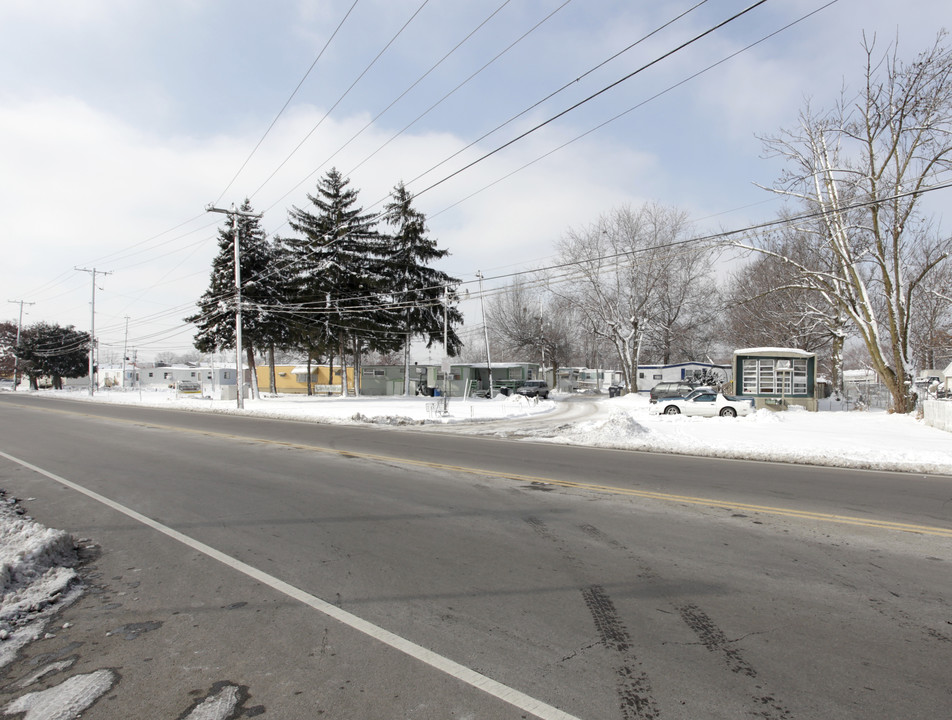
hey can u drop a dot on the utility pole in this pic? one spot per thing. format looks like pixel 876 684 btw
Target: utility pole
pixel 446 351
pixel 125 347
pixel 16 348
pixel 482 310
pixel 542 338
pixel 135 371
pixel 234 214
pixel 92 327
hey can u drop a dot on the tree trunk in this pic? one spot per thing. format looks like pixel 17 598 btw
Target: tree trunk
pixel 357 364
pixel 836 363
pixel 271 374
pixel 343 365
pixel 254 375
pixel 310 386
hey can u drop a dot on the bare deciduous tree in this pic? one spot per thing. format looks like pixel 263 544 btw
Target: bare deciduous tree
pixel 862 168
pixel 528 322
pixel 634 273
pixel 930 335
pixel 767 304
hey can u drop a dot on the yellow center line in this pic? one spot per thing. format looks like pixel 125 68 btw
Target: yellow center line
pixel 590 487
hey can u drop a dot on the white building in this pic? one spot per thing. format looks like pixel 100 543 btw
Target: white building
pixel 210 378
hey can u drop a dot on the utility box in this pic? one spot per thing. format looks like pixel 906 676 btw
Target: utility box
pixel 230 392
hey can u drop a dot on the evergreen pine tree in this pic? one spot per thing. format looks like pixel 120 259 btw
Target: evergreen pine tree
pixel 338 269
pixel 419 290
pixel 260 293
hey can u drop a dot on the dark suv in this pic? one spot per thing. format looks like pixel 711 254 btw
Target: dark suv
pixel 669 390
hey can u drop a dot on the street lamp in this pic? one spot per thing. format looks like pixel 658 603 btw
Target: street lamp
pixel 234 214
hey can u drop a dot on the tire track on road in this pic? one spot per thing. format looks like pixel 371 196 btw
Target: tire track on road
pixel 764 705
pixel 633 686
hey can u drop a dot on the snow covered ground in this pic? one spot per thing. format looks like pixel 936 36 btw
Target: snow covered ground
pixel 36 576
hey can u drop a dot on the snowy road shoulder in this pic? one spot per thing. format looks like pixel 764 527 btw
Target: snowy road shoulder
pixel 37 576
pixel 872 440
pixel 868 441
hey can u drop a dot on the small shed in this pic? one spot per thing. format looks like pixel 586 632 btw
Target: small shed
pixel 776 377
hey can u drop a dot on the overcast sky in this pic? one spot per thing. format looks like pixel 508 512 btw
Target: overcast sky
pixel 121 120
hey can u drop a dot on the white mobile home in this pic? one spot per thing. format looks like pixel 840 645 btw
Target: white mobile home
pixel 651 375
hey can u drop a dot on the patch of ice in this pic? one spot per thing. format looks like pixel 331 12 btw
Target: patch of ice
pixel 216 707
pixel 53 667
pixel 65 701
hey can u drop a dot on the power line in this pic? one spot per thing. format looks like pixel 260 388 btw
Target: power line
pixel 632 108
pixel 287 102
pixel 570 270
pixel 593 96
pixel 455 89
pixel 126 252
pixel 395 101
pixel 341 98
pixel 437 213
pixel 553 93
pixel 711 239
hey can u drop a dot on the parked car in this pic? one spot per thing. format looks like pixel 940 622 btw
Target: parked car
pixel 707 403
pixel 670 390
pixel 534 388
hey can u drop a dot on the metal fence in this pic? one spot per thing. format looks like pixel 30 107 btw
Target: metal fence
pixel 868 395
pixel 857 396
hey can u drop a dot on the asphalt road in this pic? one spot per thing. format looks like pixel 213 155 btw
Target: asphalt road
pixel 338 572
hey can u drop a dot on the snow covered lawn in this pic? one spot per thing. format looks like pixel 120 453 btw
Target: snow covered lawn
pixel 867 440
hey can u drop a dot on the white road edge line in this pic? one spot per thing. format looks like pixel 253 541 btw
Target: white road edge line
pixel 496 689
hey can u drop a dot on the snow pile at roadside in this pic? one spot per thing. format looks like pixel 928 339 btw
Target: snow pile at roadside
pixel 36 576
pixel 861 440
pixel 619 429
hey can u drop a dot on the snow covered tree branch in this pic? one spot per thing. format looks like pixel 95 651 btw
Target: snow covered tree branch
pixel 862 168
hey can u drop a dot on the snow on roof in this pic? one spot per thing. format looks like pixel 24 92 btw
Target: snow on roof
pixel 774 351
pixel 499 365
